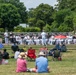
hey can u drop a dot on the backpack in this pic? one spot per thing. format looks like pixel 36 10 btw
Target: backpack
pixel 56 53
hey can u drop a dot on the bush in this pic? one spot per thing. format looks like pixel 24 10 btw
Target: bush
pixel 19 29
pixel 1 30
pixel 28 29
pixel 32 29
pixel 47 28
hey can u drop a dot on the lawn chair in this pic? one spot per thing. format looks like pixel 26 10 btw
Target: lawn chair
pixel 31 54
pixel 57 55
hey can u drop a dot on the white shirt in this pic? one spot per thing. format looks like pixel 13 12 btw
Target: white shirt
pixel 16 54
pixel 6 34
pixel 43 34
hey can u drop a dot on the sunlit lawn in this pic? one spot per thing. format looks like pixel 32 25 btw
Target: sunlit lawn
pixel 65 67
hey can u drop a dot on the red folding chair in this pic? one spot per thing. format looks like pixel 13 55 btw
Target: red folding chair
pixel 31 54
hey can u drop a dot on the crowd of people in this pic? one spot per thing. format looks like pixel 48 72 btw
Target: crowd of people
pixel 41 59
pixel 42 38
pixel 20 55
pixel 40 67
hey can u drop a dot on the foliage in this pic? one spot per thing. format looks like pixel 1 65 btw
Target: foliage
pixel 59 19
pixel 74 22
pixel 40 16
pixel 1 30
pixel 19 29
pixel 47 28
pixel 64 27
pixel 62 19
pixel 0 21
pixel 32 29
pixel 21 8
pixel 28 29
pixel 12 13
pixel 65 4
pixel 40 24
pixel 31 22
pixel 9 16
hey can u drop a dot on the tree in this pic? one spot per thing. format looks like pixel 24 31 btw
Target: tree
pixel 19 29
pixel 21 9
pixel 74 22
pixel 65 4
pixel 62 19
pixel 41 14
pixel 0 21
pixel 40 24
pixel 47 28
pixel 9 16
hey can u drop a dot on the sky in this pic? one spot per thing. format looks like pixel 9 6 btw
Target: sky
pixel 35 3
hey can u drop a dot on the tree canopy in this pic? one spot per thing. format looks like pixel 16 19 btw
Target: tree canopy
pixel 65 4
pixel 41 15
pixel 12 13
pixel 59 19
pixel 9 16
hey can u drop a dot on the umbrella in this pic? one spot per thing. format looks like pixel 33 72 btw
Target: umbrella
pixel 60 37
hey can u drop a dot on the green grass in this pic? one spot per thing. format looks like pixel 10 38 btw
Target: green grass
pixel 65 67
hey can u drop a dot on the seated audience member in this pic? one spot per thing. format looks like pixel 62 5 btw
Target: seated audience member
pixel 50 53
pixel 17 54
pixel 63 48
pixel 44 49
pixel 3 57
pixel 22 63
pixel 14 47
pixel 24 48
pixel 5 54
pixel 41 64
pixel 0 58
pixel 58 47
pixel 57 54
pixel 1 45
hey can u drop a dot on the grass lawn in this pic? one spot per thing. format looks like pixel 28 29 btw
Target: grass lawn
pixel 65 67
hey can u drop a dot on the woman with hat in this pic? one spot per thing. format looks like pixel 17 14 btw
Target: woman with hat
pixel 41 64
pixel 21 63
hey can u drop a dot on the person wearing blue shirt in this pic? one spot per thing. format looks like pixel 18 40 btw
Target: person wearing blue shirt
pixel 41 64
pixel 58 46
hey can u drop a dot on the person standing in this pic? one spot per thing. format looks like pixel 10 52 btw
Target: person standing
pixel 6 36
pixel 43 34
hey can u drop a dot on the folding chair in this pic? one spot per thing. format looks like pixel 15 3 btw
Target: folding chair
pixel 31 54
